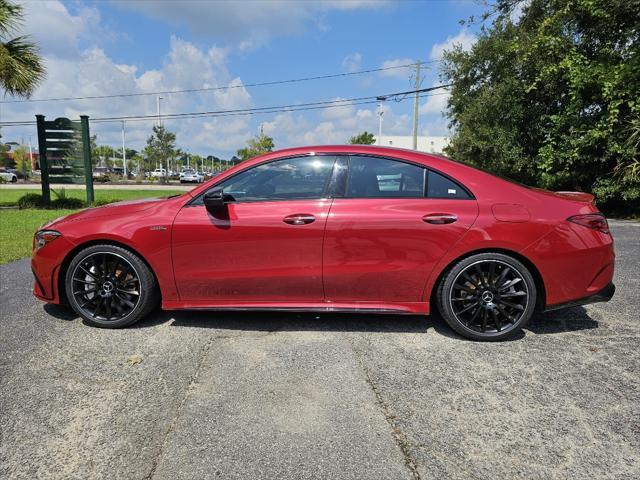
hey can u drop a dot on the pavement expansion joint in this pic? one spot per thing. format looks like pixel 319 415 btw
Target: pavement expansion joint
pixel 398 434
pixel 187 392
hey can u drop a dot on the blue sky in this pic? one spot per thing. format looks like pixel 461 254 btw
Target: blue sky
pixel 112 47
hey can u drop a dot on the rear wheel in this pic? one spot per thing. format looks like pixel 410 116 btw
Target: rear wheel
pixel 489 296
pixel 110 287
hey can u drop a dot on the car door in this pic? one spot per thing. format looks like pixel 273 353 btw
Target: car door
pixel 385 235
pixel 266 247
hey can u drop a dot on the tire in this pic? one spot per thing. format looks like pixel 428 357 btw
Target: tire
pixel 14 179
pixel 110 287
pixel 487 297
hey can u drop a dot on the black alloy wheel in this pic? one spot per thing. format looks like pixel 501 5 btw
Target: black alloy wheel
pixel 109 286
pixel 487 296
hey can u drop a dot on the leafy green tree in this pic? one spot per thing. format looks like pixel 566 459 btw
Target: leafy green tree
pixel 161 146
pixel 22 160
pixel 21 68
pixel 102 154
pixel 364 138
pixel 546 99
pixel 4 148
pixel 196 162
pixel 256 146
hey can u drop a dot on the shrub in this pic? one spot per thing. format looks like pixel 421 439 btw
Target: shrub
pixel 30 200
pixel 104 201
pixel 67 203
pixel 34 200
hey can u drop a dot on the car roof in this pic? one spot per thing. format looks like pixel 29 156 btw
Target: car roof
pixel 477 181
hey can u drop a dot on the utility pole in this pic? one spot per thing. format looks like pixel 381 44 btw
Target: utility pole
pixel 31 162
pixel 158 106
pixel 380 114
pixel 124 154
pixel 416 107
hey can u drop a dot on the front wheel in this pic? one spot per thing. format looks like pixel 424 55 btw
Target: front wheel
pixel 110 287
pixel 489 296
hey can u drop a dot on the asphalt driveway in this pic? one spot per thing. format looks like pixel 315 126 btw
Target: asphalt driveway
pixel 247 396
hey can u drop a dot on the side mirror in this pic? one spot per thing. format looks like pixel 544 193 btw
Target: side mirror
pixel 215 200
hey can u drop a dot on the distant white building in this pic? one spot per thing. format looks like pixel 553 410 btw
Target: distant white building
pixel 425 144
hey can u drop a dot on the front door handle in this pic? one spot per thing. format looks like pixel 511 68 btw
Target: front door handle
pixel 299 219
pixel 439 218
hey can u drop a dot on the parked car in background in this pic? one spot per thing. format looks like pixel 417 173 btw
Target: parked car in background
pixel 191 176
pixel 8 176
pixel 21 175
pixel 101 174
pixel 118 171
pixel 159 173
pixel 348 228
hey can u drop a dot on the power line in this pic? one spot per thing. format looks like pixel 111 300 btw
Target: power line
pixel 256 110
pixel 210 89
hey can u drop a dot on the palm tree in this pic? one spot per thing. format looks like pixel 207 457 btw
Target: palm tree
pixel 21 68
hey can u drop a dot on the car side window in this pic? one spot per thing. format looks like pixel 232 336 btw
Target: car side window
pixel 440 186
pixel 373 177
pixel 287 179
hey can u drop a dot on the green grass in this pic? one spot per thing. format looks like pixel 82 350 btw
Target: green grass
pixel 17 228
pixel 9 196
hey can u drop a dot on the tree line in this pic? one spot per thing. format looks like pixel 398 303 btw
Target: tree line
pixel 549 95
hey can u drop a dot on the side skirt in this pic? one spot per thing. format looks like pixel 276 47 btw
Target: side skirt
pixel 411 308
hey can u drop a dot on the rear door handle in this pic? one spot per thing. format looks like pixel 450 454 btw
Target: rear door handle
pixel 299 219
pixel 439 218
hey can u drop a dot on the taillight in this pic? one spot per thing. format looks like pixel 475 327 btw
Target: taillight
pixel 42 237
pixel 595 221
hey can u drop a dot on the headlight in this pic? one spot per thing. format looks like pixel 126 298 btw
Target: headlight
pixel 42 237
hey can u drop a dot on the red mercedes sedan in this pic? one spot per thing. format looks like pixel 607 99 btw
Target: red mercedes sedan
pixel 335 228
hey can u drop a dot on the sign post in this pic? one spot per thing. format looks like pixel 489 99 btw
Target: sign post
pixel 86 157
pixel 65 154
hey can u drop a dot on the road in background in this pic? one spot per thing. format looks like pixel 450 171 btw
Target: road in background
pixel 101 186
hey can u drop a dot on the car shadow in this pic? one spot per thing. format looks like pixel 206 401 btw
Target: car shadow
pixel 61 312
pixel 569 320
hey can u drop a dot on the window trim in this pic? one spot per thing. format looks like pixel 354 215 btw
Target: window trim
pixel 426 169
pixel 198 201
pixel 331 184
pixel 450 178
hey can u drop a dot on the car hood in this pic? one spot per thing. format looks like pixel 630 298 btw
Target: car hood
pixel 118 208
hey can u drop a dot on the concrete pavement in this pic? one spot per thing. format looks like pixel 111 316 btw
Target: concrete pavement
pixel 223 395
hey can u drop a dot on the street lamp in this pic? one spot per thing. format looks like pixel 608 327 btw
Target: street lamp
pixel 124 154
pixel 380 114
pixel 158 106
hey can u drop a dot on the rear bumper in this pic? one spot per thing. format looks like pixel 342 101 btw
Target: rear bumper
pixel 603 295
pixel 574 262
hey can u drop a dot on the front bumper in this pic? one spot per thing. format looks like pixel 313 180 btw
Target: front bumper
pixel 45 266
pixel 603 295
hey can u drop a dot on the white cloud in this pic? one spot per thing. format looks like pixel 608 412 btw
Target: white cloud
pixel 248 23
pixel 436 103
pixel 75 70
pixel 464 39
pixel 72 72
pixel 340 110
pixel 403 72
pixel 352 62
pixel 291 128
